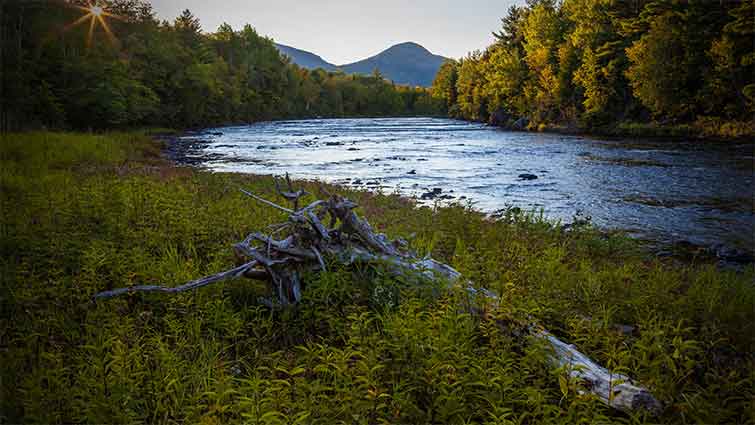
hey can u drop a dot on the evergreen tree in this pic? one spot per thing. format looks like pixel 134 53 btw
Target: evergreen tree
pixel 593 63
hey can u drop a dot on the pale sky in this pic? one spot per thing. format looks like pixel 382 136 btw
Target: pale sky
pixel 344 31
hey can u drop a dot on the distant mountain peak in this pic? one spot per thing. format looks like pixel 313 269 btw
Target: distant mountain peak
pixel 404 63
pixel 408 45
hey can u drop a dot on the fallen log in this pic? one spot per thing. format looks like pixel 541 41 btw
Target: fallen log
pixel 350 240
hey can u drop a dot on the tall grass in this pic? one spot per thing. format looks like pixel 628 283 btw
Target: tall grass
pixel 84 213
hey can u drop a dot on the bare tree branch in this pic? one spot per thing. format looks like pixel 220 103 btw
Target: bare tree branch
pixel 265 201
pixel 228 274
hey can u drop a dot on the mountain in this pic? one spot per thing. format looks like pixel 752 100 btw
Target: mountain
pixel 304 58
pixel 405 63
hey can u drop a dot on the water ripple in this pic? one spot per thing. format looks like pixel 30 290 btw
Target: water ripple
pixel 700 192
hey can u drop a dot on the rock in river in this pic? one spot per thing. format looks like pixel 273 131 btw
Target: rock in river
pixel 527 177
pixel 432 195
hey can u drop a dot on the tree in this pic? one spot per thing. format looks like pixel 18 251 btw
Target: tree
pixel 543 34
pixel 657 73
pixel 444 85
pixel 505 72
pixel 601 52
pixel 187 23
pixel 730 86
pixel 511 34
pixel 469 87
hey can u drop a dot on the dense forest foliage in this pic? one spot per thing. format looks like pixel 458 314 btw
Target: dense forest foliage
pixel 586 64
pixel 65 67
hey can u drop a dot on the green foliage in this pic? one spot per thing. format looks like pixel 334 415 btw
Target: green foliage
pixel 152 73
pixel 470 96
pixel 444 86
pixel 84 213
pixel 658 73
pixel 505 73
pixel 592 64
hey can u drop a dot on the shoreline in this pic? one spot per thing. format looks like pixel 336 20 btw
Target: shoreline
pixel 629 130
pixel 684 251
pixel 614 135
pixel 639 130
pixel 658 134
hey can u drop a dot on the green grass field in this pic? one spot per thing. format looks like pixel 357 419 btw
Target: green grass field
pixel 84 213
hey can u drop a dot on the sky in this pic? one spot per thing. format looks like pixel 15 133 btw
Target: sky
pixel 345 31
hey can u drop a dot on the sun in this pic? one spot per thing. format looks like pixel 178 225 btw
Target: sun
pixel 96 15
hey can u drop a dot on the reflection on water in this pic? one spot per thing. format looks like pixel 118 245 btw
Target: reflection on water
pixel 670 191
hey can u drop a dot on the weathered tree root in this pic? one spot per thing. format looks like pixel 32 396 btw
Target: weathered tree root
pixel 350 240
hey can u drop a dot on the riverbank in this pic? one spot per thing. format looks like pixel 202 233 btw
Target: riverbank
pixel 85 213
pixel 704 129
pixel 678 194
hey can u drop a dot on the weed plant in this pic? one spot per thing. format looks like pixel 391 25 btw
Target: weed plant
pixel 84 213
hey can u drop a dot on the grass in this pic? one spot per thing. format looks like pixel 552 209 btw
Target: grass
pixel 84 213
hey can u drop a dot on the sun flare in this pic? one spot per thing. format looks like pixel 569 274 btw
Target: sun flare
pixel 96 11
pixel 95 15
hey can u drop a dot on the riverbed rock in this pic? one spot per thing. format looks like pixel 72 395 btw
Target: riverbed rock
pixel 427 196
pixel 527 176
pixel 432 194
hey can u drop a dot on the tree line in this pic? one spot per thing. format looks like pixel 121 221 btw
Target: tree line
pixel 63 67
pixel 586 64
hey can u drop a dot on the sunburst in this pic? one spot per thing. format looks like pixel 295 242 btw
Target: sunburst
pixel 96 14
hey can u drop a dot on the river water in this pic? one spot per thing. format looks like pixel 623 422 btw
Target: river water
pixel 667 191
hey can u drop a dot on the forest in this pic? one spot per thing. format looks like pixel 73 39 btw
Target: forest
pixel 644 67
pixel 65 68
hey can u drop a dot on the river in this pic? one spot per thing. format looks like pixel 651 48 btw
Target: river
pixel 660 190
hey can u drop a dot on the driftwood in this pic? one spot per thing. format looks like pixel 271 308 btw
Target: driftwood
pixel 349 240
